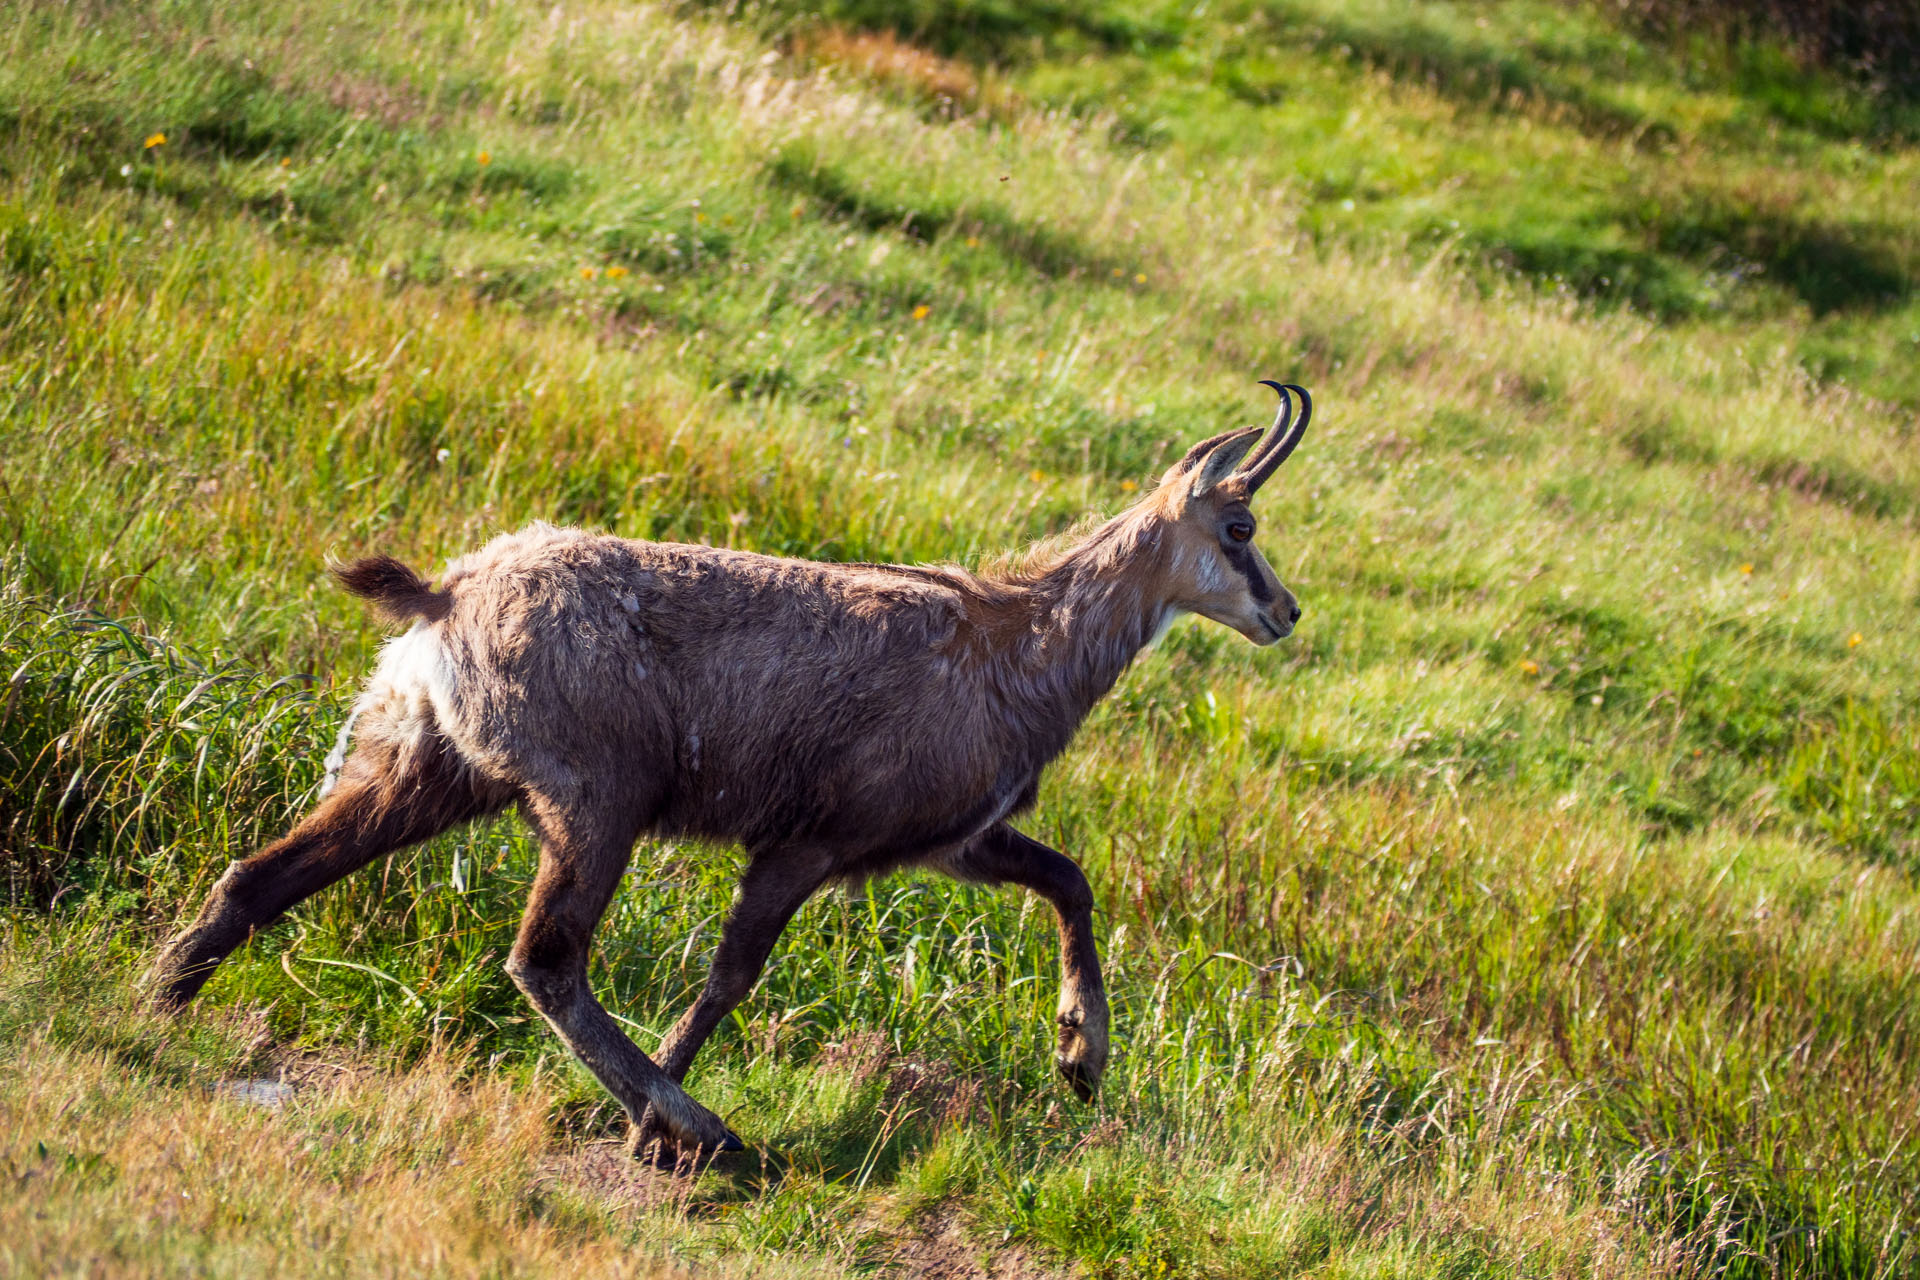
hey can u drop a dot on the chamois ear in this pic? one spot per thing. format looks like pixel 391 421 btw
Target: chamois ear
pixel 1214 460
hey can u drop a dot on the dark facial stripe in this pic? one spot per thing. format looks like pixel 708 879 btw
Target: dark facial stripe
pixel 1242 558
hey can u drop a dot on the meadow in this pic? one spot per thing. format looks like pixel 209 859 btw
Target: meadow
pixel 1546 906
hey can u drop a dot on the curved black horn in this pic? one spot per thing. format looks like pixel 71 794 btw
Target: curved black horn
pixel 1280 442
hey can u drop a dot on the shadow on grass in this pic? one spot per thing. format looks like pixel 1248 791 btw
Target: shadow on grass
pixel 1475 74
pixel 1643 279
pixel 1846 85
pixel 1790 55
pixel 1049 253
pixel 1817 479
pixel 1831 266
pixel 994 31
pixel 238 113
pixel 1687 257
pixel 1752 1223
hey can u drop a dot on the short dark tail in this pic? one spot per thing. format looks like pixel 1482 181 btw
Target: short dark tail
pixel 397 591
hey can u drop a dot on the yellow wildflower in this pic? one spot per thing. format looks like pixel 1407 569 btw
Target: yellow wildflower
pixel 1139 277
pixel 1128 486
pixel 286 162
pixel 1116 273
pixel 484 157
pixel 1037 476
pixel 1746 571
pixel 973 242
pixel 156 140
pixel 615 272
pixel 588 273
pixel 922 311
pixel 1529 667
pixel 1855 640
pixel 699 217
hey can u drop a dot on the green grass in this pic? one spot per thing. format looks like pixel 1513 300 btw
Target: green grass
pixel 1545 906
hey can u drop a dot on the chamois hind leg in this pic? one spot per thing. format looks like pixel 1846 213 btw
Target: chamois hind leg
pixel 773 888
pixel 582 855
pixel 389 795
pixel 1003 855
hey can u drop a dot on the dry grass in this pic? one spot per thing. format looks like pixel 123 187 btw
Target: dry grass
pixel 359 1171
pixel 882 58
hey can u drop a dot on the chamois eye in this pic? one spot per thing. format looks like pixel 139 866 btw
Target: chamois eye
pixel 1239 532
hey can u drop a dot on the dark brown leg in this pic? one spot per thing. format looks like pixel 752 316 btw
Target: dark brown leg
pixel 1003 855
pixel 582 855
pixel 773 888
pixel 383 802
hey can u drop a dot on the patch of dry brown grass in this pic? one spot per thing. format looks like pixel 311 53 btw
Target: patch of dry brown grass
pixel 884 59
pixel 359 1172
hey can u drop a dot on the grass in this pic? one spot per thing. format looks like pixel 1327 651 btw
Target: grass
pixel 1545 906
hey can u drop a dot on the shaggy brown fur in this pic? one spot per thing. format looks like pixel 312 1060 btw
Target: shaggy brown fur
pixel 835 720
pixel 399 593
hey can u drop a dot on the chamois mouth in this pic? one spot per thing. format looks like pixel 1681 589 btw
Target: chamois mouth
pixel 1274 629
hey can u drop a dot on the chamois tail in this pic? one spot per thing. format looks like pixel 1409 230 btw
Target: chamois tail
pixel 399 593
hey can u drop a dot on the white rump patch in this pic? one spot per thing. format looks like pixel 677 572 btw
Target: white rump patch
pixel 337 758
pixel 411 690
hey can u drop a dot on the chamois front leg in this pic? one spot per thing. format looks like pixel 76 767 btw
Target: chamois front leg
pixel 1003 855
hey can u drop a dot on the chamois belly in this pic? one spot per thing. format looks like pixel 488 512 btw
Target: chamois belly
pixel 875 801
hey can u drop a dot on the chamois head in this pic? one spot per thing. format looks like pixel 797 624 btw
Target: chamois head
pixel 1213 567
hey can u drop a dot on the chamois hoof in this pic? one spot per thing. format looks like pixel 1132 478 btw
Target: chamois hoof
pixel 1084 1082
pixel 651 1142
pixel 168 987
pixel 1080 1069
pixel 1079 1061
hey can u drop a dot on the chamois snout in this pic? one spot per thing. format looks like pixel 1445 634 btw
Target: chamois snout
pixel 1279 618
pixel 1262 609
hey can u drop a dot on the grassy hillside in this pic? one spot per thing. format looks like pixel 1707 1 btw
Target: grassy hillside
pixel 1547 905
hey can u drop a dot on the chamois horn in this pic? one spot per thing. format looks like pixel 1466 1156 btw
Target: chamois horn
pixel 1280 442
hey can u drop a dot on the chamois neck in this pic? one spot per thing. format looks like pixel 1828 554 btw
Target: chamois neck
pixel 1099 609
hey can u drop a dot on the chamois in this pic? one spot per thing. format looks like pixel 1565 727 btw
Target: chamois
pixel 836 720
